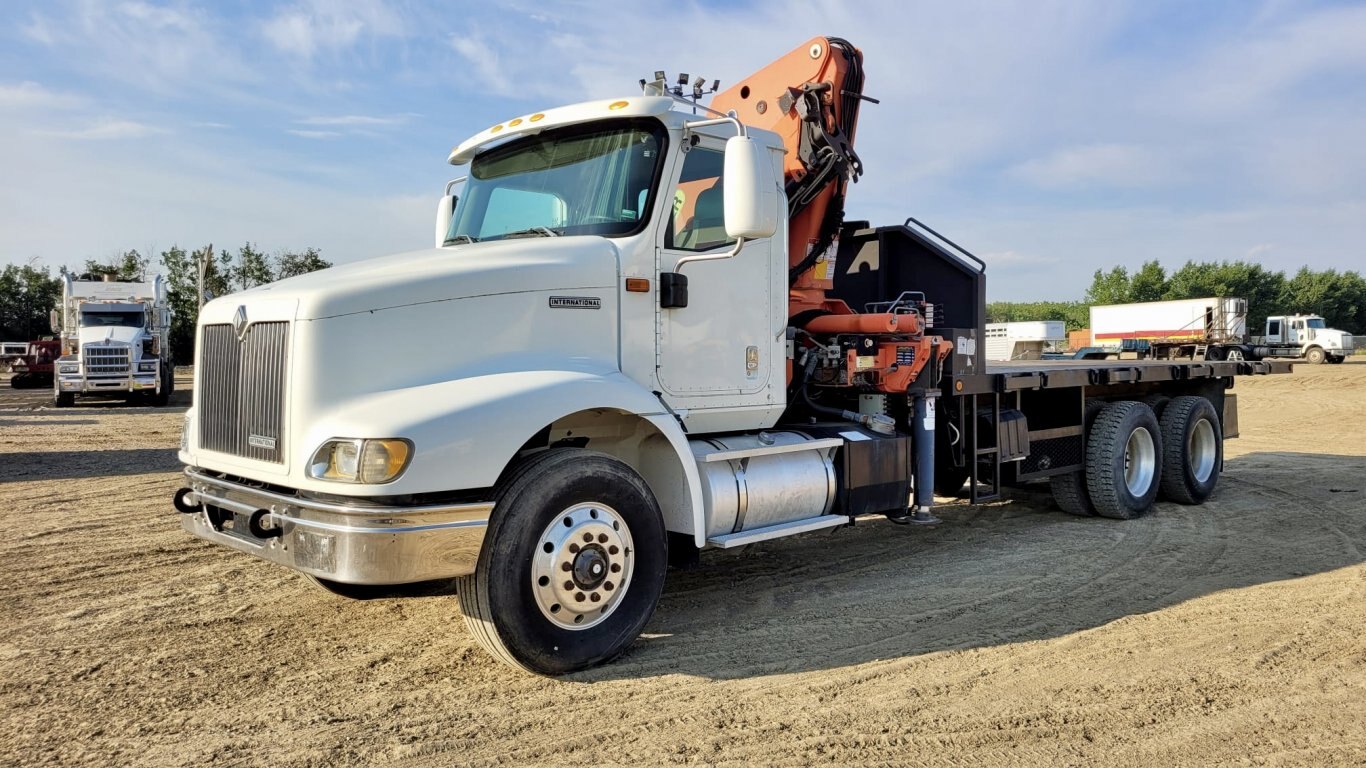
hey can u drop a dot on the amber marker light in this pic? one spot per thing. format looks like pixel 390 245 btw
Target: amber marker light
pixel 537 117
pixel 496 128
pixel 618 105
pixel 513 123
pixel 637 285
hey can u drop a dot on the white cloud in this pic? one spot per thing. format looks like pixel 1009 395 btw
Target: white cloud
pixel 306 29
pixel 108 129
pixel 313 134
pixel 1106 165
pixel 29 94
pixel 480 55
pixel 355 120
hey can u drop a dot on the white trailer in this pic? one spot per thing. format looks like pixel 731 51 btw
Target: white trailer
pixel 1026 340
pixel 115 340
pixel 1184 325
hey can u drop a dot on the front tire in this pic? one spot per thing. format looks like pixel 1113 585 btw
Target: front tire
pixel 163 394
pixel 63 399
pixel 1315 356
pixel 1124 460
pixel 572 565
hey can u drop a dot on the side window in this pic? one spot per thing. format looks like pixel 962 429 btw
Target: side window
pixel 513 209
pixel 698 220
pixel 1275 328
pixel 1299 324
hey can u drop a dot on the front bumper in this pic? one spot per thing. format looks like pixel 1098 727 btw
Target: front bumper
pixel 353 544
pixel 132 383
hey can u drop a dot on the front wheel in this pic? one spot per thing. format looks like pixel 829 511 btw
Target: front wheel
pixel 164 389
pixel 1315 356
pixel 63 399
pixel 572 565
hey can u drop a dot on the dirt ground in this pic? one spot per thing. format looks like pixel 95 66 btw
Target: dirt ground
pixel 1011 634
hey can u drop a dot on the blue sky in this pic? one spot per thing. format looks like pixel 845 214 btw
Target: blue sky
pixel 1052 138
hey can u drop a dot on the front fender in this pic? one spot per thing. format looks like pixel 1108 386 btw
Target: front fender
pixel 466 431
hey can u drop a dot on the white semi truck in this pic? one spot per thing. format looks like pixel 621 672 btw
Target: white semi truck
pixel 1213 328
pixel 114 341
pixel 669 341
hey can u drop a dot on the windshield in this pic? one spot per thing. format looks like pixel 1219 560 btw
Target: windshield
pixel 581 180
pixel 1315 322
pixel 97 319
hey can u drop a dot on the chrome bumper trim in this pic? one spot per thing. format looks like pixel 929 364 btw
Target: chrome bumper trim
pixel 338 541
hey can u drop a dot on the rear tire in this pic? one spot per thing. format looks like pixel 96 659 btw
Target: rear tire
pixel 523 606
pixel 1069 490
pixel 1315 356
pixel 1158 403
pixel 1124 460
pixel 1192 450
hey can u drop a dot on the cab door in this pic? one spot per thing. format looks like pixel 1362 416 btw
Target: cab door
pixel 722 342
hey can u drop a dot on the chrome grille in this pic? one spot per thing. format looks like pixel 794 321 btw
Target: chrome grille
pixel 105 359
pixel 242 390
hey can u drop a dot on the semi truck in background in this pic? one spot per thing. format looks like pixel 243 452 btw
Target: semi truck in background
pixel 115 341
pixel 1213 328
pixel 1024 340
pixel 681 345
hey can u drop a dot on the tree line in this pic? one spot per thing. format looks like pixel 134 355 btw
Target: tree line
pixel 28 292
pixel 1340 297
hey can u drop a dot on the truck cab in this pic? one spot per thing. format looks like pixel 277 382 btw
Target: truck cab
pixel 114 341
pixel 1307 336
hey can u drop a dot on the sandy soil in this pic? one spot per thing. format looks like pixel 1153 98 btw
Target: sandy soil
pixel 1013 633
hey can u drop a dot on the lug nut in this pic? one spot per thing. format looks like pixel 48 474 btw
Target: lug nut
pixel 588 538
pixel 602 538
pixel 578 598
pixel 573 549
pixel 612 550
pixel 609 586
pixel 569 585
pixel 616 567
pixel 566 567
pixel 594 597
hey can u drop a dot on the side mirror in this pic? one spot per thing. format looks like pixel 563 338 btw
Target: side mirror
pixel 751 192
pixel 445 211
pixel 54 318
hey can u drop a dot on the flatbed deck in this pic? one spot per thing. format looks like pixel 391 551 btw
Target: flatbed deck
pixel 1015 375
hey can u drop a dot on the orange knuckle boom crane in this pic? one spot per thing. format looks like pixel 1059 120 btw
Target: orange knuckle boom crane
pixel 810 97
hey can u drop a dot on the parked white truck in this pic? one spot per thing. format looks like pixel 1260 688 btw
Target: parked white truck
pixel 1305 336
pixel 1213 328
pixel 114 341
pixel 640 333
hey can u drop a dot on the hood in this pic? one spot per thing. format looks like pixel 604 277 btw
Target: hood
pixel 443 274
pixel 110 334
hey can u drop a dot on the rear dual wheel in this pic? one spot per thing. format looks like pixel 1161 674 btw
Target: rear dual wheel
pixel 1192 450
pixel 572 565
pixel 1123 460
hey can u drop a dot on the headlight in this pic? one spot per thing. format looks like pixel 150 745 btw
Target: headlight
pixel 147 367
pixel 68 369
pixel 360 461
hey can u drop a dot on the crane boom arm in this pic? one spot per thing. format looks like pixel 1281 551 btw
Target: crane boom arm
pixel 810 97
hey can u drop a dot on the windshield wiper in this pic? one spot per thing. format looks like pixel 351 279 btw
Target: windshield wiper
pixel 532 232
pixel 458 238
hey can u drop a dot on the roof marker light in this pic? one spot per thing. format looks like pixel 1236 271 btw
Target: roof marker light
pixel 536 117
pixel 618 105
pixel 514 122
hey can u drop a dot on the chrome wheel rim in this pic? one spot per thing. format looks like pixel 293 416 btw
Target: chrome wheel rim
pixel 582 566
pixel 1201 450
pixel 1140 461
